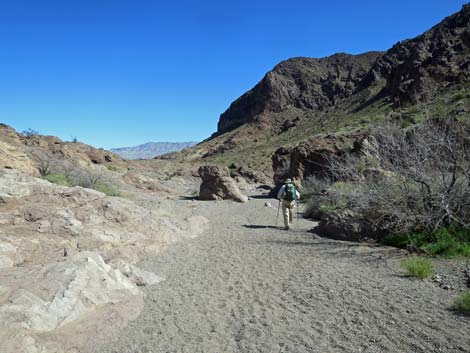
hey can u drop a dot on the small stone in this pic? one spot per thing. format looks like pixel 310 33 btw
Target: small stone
pixel 267 204
pixel 437 278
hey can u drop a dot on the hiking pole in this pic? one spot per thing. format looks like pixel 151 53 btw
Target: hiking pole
pixel 278 207
pixel 297 202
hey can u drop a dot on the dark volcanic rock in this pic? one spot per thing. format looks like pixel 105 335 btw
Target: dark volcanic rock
pixel 248 175
pixel 281 164
pixel 412 70
pixel 304 83
pixel 345 225
pixel 311 157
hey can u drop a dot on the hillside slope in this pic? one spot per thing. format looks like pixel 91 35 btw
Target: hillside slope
pixel 304 83
pixel 303 97
pixel 26 153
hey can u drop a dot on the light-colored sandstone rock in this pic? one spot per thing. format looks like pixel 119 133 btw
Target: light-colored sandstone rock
pixel 13 158
pixel 8 254
pixel 218 185
pixel 85 282
pixel 16 184
pixel 78 249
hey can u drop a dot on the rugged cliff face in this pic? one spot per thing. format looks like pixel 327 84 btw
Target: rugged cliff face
pixel 304 83
pixel 414 69
pixel 411 71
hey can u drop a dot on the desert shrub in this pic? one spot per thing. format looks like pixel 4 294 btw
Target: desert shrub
pixel 325 196
pixel 113 168
pixel 423 182
pixel 312 187
pixel 93 180
pixel 419 267
pixel 330 207
pixel 107 189
pixel 460 95
pixel 62 172
pixel 46 162
pixel 30 133
pixel 59 179
pixel 462 303
pixel 315 194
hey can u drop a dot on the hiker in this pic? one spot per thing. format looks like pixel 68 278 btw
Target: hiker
pixel 287 196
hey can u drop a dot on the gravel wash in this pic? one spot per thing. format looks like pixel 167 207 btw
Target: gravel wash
pixel 247 286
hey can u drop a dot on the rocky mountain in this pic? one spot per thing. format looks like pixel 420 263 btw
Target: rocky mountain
pixel 304 83
pixel 151 149
pixel 412 70
pixel 307 94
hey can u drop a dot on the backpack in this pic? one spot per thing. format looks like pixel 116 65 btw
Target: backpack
pixel 290 193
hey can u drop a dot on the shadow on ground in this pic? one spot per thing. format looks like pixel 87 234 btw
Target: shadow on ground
pixel 190 198
pixel 257 226
pixel 262 196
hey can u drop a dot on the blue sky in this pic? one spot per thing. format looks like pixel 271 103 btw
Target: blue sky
pixel 120 73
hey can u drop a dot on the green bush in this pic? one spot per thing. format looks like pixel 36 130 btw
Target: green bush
pixel 106 189
pixel 62 179
pixel 399 240
pixel 460 95
pixel 419 267
pixel 59 179
pixel 113 168
pixel 447 242
pixel 462 303
pixel 329 207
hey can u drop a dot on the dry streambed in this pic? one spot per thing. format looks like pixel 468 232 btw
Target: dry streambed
pixel 71 280
pixel 245 286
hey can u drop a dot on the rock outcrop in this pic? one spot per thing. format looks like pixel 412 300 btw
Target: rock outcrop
pixel 411 71
pixel 27 153
pixel 68 261
pixel 311 158
pixel 218 185
pixel 304 83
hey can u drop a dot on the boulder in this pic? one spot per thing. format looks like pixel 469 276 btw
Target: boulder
pixel 218 185
pixel 347 225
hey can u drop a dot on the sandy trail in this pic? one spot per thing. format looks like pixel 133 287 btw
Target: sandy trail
pixel 245 286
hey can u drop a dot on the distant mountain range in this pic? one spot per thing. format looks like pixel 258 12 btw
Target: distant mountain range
pixel 151 149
